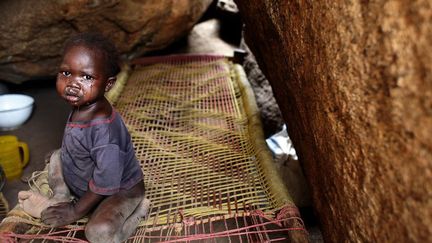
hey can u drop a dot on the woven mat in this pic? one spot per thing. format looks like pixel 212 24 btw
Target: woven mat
pixel 208 174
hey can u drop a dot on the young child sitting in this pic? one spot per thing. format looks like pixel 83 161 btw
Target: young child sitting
pixel 96 169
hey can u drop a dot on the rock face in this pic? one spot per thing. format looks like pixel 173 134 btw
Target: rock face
pixel 353 80
pixel 271 116
pixel 33 33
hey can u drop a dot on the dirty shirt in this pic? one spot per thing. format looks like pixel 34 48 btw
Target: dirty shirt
pixel 98 155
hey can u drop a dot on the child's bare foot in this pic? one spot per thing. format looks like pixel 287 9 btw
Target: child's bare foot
pixel 143 208
pixel 132 222
pixel 34 203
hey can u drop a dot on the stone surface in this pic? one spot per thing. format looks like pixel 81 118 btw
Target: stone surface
pixel 204 39
pixel 271 116
pixel 353 80
pixel 33 33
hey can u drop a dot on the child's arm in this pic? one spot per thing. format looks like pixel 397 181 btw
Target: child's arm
pixel 67 212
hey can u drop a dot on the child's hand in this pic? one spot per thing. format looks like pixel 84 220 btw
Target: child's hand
pixel 65 213
pixel 60 214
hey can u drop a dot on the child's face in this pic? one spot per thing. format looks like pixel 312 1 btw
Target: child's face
pixel 82 79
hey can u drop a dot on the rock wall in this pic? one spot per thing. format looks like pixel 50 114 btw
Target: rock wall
pixel 271 116
pixel 354 83
pixel 33 32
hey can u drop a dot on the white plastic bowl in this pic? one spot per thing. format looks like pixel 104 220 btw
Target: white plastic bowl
pixel 15 109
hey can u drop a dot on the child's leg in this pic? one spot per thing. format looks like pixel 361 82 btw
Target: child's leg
pixel 34 203
pixel 55 178
pixel 117 216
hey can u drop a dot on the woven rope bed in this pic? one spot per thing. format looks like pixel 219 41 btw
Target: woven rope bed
pixel 196 130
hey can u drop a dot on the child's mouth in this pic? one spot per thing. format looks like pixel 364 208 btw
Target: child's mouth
pixel 71 94
pixel 72 98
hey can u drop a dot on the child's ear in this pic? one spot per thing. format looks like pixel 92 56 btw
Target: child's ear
pixel 111 81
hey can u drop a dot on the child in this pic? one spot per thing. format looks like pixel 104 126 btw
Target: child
pixel 96 164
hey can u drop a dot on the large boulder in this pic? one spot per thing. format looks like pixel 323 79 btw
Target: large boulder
pixel 32 33
pixel 354 82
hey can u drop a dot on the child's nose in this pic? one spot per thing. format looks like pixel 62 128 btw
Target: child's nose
pixel 73 82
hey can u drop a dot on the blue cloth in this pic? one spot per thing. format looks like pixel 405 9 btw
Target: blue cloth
pixel 98 155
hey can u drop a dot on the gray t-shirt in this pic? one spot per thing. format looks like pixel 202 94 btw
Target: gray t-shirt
pixel 99 155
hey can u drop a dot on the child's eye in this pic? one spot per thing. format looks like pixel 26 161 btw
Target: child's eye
pixel 65 73
pixel 87 77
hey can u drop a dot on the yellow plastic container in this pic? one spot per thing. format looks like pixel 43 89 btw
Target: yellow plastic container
pixel 14 156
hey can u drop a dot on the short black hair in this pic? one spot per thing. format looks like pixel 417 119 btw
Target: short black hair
pixel 100 43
